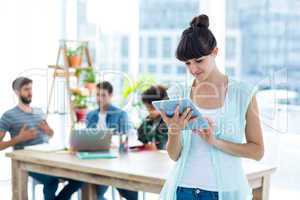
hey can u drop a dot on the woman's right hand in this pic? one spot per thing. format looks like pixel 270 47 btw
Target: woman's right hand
pixel 178 121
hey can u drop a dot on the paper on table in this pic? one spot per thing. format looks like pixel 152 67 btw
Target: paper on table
pixel 45 147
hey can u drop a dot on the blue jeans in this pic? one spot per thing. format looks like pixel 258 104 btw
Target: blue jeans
pixel 50 184
pixel 127 194
pixel 183 193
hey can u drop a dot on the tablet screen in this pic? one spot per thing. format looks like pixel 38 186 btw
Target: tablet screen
pixel 169 106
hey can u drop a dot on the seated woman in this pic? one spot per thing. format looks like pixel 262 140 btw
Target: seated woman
pixel 153 131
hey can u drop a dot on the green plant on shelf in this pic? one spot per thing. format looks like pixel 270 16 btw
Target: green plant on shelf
pixel 74 56
pixel 74 51
pixel 80 102
pixel 88 74
pixel 79 98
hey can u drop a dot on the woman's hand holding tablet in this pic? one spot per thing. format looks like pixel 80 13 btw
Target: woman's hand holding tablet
pixel 186 114
pixel 207 134
pixel 178 121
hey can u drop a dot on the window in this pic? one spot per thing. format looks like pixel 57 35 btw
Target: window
pixel 124 67
pixel 152 68
pixel 152 47
pixel 230 71
pixel 181 70
pixel 124 46
pixel 230 48
pixel 166 69
pixel 166 47
pixel 141 50
pixel 141 68
pixel 160 26
pixel 167 15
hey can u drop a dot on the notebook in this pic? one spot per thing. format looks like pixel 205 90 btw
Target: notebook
pixel 96 155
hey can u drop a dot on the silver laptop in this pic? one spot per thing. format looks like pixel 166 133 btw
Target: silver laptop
pixel 91 139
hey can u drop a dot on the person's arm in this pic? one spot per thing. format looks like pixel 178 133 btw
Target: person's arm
pixel 4 127
pixel 174 145
pixel 175 125
pixel 6 144
pixel 254 146
pixel 44 126
pixel 10 143
pixel 24 135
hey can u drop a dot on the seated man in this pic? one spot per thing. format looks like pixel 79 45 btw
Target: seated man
pixel 153 131
pixel 109 116
pixel 27 126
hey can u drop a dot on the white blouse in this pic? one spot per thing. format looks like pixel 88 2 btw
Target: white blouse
pixel 198 171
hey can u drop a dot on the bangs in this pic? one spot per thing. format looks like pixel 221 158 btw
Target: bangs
pixel 190 47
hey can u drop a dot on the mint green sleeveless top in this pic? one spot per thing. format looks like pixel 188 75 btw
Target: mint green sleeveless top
pixel 231 180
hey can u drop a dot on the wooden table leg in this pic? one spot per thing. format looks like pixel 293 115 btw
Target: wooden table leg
pixel 89 192
pixel 266 187
pixel 14 180
pixel 257 194
pixel 19 182
pixel 262 193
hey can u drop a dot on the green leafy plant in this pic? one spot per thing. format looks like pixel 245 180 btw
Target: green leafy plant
pixel 131 97
pixel 80 102
pixel 88 73
pixel 137 87
pixel 79 98
pixel 74 52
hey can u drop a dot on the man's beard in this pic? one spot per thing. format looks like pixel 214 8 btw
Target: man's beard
pixel 25 100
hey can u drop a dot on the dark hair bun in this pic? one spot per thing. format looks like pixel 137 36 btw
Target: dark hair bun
pixel 200 21
pixel 197 40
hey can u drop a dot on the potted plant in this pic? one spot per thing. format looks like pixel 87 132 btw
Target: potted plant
pixel 74 56
pixel 79 100
pixel 88 77
pixel 131 98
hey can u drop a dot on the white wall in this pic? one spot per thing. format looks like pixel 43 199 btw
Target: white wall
pixel 28 39
pixel 29 33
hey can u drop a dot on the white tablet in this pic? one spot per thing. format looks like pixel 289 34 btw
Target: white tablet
pixel 169 106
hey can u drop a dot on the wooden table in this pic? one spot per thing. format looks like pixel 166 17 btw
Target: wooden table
pixel 143 171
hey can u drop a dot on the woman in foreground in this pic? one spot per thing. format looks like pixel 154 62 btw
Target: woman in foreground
pixel 208 162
